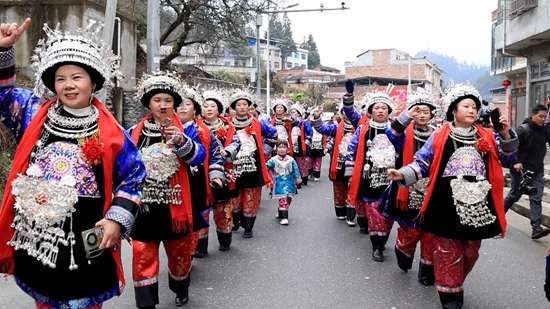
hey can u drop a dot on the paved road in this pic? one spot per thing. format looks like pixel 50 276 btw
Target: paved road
pixel 319 262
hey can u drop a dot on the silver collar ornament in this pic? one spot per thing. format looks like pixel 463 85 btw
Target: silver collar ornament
pixel 161 163
pixel 245 161
pixel 381 154
pixel 81 46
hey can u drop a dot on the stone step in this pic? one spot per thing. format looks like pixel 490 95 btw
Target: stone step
pixel 522 207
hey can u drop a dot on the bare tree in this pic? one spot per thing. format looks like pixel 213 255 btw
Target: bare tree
pixel 208 22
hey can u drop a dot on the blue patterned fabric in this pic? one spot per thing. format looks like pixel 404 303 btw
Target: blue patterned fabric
pixel 17 108
pixel 268 131
pixel 353 115
pixel 70 304
pixel 216 168
pixel 285 172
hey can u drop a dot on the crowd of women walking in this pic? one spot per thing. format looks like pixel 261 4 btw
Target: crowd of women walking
pixel 81 183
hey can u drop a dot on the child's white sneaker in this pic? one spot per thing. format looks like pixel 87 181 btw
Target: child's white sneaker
pixel 284 222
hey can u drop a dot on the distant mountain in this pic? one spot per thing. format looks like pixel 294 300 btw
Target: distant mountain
pixel 479 76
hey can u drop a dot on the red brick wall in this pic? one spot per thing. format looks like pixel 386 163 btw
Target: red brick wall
pixel 382 68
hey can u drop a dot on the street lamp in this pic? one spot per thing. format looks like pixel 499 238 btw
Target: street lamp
pixel 268 78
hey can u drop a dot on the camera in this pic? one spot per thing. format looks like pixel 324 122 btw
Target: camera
pixel 92 239
pixel 525 185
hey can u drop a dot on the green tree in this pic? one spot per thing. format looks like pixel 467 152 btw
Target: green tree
pixel 314 59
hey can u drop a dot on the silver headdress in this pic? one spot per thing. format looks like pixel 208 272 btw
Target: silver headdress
pixel 380 97
pixel 159 80
pixel 82 47
pixel 283 101
pixel 421 98
pixel 239 94
pixel 299 108
pixel 194 95
pixel 456 92
pixel 219 96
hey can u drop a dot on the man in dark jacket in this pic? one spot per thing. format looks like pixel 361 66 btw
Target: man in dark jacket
pixel 533 135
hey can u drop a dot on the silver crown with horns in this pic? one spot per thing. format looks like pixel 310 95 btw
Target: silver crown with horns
pixel 215 95
pixel 159 80
pixel 239 94
pixel 455 92
pixel 82 46
pixel 380 97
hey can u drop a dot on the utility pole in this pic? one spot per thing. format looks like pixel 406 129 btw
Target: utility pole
pixel 153 35
pixel 259 22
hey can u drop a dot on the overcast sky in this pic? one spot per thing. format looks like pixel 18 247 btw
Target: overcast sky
pixel 456 28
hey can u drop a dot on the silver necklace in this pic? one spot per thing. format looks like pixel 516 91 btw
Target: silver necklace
pixel 152 129
pixel 70 134
pixel 347 125
pixel 240 123
pixel 377 125
pixel 71 122
pixel 422 136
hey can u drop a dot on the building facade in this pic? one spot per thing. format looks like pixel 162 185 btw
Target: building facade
pixel 521 53
pixel 396 64
pixel 297 59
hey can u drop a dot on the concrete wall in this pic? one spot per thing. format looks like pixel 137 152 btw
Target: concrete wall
pixel 531 23
pixel 71 14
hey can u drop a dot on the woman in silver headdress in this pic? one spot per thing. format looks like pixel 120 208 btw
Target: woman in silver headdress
pixel 75 186
pixel 464 201
pixel 171 151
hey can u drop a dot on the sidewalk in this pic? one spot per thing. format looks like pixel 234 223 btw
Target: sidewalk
pixel 522 206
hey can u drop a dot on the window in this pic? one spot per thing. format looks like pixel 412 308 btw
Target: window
pixel 304 56
pixel 296 65
pixel 303 66
pixel 276 64
pixel 289 65
pixel 262 50
pixel 227 63
pixel 277 53
pixel 296 55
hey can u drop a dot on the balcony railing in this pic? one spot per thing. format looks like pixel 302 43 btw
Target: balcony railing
pixel 498 63
pixel 515 8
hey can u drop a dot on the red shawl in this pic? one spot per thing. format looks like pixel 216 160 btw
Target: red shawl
pixel 257 129
pixel 494 171
pixel 303 140
pixel 182 215
pixel 408 157
pixel 111 136
pixel 227 142
pixel 336 151
pixel 359 158
pixel 204 135
pixel 288 127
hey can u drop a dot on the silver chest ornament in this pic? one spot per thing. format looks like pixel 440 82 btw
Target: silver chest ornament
pixel 161 163
pixel 343 150
pixel 470 197
pixel 296 133
pixel 282 133
pixel 317 140
pixel 381 153
pixel 244 161
pixel 45 198
pixel 417 192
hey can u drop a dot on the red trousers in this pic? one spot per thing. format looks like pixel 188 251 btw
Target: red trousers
pixel 223 218
pixel 316 163
pixel 40 305
pixel 248 201
pixel 408 237
pixel 453 261
pixel 340 190
pixel 284 203
pixel 145 261
pixel 378 224
pixel 303 165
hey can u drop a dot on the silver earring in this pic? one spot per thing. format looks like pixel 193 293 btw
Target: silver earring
pixel 91 99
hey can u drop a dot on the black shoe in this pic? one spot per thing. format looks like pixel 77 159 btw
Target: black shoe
pixel 539 233
pixel 202 248
pixel 224 240
pixel 451 300
pixel 404 262
pixel 248 234
pixel 237 217
pixel 181 300
pixel 378 255
pixel 426 274
pixel 363 230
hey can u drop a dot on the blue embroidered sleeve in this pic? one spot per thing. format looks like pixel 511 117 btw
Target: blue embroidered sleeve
pixel 420 167
pixel 270 164
pixel 128 178
pixel 192 151
pixel 295 121
pixel 233 148
pixel 352 152
pixel 325 129
pixel 216 169
pixel 308 130
pixel 398 140
pixel 353 115
pixel 507 149
pixel 269 131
